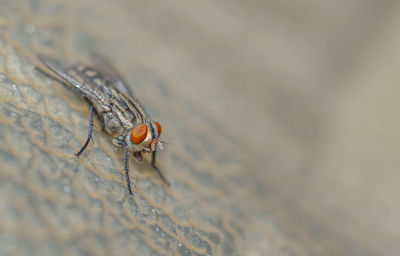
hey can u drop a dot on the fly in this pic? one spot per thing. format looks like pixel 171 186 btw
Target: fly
pixel 121 114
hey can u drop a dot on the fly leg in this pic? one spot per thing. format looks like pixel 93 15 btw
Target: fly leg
pixel 126 168
pixel 153 163
pixel 90 132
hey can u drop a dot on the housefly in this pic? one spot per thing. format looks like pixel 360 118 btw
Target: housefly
pixel 121 114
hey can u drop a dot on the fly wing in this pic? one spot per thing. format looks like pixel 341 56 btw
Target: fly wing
pixel 116 82
pixel 107 68
pixel 78 80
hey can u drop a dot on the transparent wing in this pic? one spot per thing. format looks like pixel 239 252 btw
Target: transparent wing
pixel 76 79
pixel 102 64
pixel 115 80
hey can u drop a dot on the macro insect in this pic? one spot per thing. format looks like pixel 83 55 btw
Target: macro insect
pixel 122 116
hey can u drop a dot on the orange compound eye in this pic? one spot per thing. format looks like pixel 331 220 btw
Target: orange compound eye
pixel 138 134
pixel 158 126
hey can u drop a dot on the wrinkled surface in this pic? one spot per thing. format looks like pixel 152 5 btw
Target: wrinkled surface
pixel 278 114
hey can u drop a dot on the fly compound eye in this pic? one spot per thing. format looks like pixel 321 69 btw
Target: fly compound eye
pixel 158 126
pixel 138 134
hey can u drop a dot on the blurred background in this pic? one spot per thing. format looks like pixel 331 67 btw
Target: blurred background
pixel 288 111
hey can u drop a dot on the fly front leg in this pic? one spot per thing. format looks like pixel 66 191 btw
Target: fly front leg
pixel 126 168
pixel 153 163
pixel 90 132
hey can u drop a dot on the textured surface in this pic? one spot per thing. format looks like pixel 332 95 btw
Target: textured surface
pixel 53 202
pixel 280 118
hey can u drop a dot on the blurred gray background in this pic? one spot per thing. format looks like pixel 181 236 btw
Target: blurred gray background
pixel 297 102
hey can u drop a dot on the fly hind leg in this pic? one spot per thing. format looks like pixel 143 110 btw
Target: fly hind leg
pixel 90 132
pixel 153 163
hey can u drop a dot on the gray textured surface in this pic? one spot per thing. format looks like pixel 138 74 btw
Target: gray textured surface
pixel 280 116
